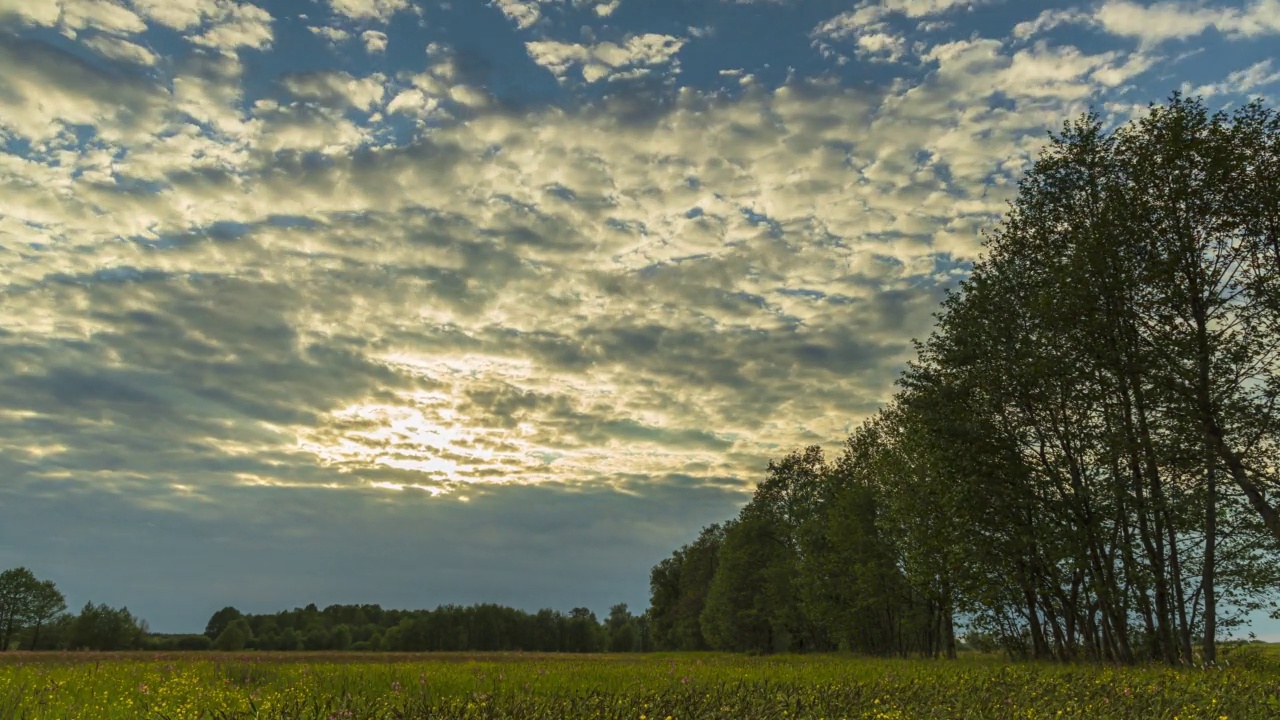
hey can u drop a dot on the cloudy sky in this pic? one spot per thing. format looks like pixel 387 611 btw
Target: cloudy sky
pixel 412 303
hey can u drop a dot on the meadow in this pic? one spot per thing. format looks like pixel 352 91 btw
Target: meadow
pixel 83 686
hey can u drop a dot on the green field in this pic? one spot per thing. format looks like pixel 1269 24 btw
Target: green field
pixel 654 687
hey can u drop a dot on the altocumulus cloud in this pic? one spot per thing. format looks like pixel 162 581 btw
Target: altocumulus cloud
pixel 406 303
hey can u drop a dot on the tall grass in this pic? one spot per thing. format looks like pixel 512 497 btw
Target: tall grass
pixel 323 687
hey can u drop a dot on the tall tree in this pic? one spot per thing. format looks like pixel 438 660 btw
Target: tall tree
pixel 47 603
pixel 19 590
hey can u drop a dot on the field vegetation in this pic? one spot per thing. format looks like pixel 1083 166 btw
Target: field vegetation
pixel 367 686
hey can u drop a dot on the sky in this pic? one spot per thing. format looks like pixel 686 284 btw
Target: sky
pixel 346 301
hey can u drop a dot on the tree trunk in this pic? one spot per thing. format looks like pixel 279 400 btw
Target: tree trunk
pixel 1175 571
pixel 1210 551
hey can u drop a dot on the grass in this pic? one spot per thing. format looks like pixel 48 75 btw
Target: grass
pixel 320 686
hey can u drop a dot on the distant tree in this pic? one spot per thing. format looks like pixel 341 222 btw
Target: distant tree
pixel 744 607
pixel 583 631
pixel 341 639
pixel 18 590
pixel 233 638
pixel 100 627
pixel 621 629
pixel 53 635
pixel 220 621
pixel 46 603
pixel 317 639
pixel 193 642
pixel 664 598
pixel 290 640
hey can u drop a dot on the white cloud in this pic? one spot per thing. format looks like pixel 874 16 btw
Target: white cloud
pixel 1174 19
pixel 374 41
pixel 305 129
pixel 45 92
pixel 600 61
pixel 524 13
pixel 866 27
pixel 850 23
pixel 101 15
pixel 121 50
pixel 30 13
pixel 180 14
pixel 334 35
pixel 209 90
pixel 867 15
pixel 1134 64
pixel 414 101
pixel 925 8
pixel 1258 75
pixel 338 89
pixel 601 8
pixel 380 10
pixel 243 26
pixel 225 25
pixel 468 96
pixel 1048 20
pixel 885 45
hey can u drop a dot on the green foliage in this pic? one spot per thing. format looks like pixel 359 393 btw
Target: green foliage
pixel 100 627
pixel 220 620
pixel 234 637
pixel 172 643
pixel 449 628
pixel 26 602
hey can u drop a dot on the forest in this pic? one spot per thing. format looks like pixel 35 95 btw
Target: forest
pixel 33 617
pixel 1081 460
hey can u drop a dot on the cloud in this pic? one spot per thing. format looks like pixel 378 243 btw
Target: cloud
pixel 29 13
pixel 243 26
pixel 121 50
pixel 48 91
pixel 605 9
pixel 926 8
pixel 1174 20
pixel 337 89
pixel 379 10
pixel 334 35
pixel 225 25
pixel 524 13
pixel 1048 20
pixel 603 60
pixel 1242 82
pixel 409 298
pixel 374 41
pixel 871 34
pixel 100 15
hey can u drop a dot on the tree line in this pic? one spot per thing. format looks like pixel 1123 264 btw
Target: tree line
pixel 1081 462
pixel 448 628
pixel 33 617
